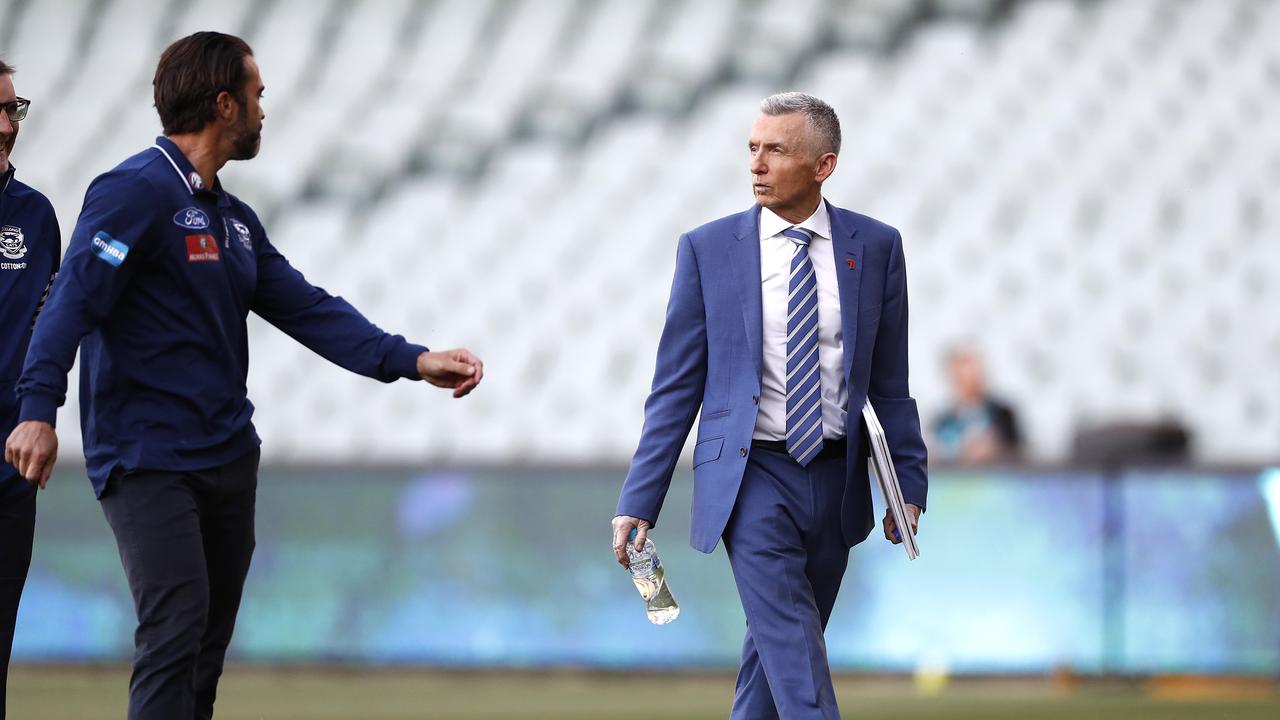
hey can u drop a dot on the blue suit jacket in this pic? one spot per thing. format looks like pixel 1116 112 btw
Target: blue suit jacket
pixel 709 357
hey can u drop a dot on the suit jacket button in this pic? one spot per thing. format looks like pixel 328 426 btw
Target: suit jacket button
pixel 755 399
pixel 742 452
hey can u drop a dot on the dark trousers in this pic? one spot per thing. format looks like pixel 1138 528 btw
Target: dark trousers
pixel 185 539
pixel 17 529
pixel 788 557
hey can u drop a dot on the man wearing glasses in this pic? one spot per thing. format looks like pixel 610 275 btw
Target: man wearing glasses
pixel 162 270
pixel 29 249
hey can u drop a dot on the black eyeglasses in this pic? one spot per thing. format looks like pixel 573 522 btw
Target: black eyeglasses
pixel 16 109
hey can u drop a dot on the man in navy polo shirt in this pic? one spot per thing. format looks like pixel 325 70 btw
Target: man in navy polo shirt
pixel 30 246
pixel 163 268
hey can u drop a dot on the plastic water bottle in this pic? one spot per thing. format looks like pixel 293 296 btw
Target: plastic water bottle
pixel 651 581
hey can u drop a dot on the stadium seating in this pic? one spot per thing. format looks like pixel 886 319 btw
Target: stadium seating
pixel 1085 189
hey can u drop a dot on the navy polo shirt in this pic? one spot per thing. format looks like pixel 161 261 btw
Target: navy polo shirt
pixel 157 283
pixel 30 246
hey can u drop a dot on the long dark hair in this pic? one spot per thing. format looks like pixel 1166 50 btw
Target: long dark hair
pixel 191 74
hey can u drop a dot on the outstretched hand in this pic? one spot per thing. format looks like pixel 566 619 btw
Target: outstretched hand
pixel 32 448
pixel 457 369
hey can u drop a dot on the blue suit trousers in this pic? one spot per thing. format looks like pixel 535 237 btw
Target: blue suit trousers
pixel 788 557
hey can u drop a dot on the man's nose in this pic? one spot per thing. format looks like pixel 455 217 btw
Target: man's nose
pixel 6 125
pixel 758 166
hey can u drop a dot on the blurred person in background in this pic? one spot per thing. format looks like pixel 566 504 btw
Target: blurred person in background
pixel 782 320
pixel 163 268
pixel 30 247
pixel 977 428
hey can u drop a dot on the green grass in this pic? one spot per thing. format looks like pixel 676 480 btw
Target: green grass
pixel 269 694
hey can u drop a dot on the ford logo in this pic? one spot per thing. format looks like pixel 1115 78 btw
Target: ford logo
pixel 191 218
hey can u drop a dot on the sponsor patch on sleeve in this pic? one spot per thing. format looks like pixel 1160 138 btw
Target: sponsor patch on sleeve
pixel 202 248
pixel 109 249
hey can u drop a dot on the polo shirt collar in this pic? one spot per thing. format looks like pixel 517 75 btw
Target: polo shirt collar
pixel 186 172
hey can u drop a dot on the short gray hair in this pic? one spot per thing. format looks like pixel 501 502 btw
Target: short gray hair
pixel 821 118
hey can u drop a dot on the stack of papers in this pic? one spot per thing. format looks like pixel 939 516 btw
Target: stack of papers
pixel 881 463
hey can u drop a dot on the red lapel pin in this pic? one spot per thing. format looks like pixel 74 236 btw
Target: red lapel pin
pixel 853 264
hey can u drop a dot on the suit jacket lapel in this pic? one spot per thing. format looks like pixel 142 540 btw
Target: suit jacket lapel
pixel 848 252
pixel 745 255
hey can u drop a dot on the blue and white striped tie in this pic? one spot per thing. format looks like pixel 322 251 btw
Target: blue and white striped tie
pixel 804 395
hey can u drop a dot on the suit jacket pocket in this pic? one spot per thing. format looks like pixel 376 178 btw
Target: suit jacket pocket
pixel 707 450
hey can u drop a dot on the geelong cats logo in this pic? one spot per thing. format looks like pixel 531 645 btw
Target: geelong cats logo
pixel 12 242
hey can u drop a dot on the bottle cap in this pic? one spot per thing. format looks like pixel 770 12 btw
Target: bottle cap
pixel 632 536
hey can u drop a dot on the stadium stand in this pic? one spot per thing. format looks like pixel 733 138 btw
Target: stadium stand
pixel 1085 188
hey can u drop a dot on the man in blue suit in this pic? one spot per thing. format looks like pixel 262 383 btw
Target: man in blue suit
pixel 782 321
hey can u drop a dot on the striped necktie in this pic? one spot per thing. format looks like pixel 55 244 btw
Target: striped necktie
pixel 804 396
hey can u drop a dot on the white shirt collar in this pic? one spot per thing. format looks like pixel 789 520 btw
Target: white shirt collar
pixel 819 223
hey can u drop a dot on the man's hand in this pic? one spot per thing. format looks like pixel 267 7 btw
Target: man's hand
pixel 622 526
pixel 32 448
pixel 891 527
pixel 457 369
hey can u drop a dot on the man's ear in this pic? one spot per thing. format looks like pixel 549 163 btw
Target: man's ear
pixel 227 106
pixel 825 165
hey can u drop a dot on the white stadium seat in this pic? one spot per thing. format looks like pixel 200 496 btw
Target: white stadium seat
pixel 1084 189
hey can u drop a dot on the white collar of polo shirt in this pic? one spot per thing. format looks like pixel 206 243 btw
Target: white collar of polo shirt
pixel 193 182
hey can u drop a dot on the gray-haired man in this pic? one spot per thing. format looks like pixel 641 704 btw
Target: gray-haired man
pixel 781 319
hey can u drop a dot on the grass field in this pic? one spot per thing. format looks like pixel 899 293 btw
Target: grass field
pixel 270 694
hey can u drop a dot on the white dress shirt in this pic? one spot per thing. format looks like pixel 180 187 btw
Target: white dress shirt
pixel 776 251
